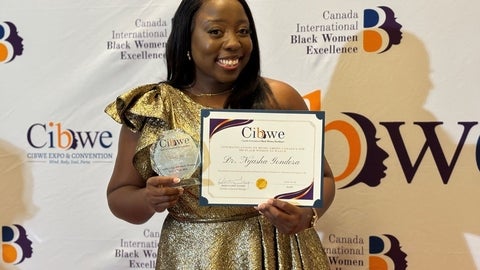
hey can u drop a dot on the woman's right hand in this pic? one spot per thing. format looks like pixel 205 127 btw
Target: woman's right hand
pixel 132 197
pixel 159 193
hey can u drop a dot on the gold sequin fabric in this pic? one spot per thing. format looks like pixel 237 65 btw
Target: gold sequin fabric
pixel 207 237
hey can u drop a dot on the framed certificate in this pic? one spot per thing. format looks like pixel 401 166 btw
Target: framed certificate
pixel 249 156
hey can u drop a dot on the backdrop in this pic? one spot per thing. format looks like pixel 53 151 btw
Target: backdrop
pixel 398 81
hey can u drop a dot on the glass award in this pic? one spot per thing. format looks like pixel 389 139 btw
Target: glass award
pixel 176 154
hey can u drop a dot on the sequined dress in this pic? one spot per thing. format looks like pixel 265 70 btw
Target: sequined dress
pixel 207 237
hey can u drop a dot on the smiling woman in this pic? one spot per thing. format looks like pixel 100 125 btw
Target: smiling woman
pixel 213 61
pixel 221 45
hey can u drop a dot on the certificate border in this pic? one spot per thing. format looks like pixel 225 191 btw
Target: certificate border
pixel 205 113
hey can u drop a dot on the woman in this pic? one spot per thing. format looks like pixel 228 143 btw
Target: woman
pixel 213 62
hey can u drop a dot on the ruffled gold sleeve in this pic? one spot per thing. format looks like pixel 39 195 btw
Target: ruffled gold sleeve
pixel 132 107
pixel 150 109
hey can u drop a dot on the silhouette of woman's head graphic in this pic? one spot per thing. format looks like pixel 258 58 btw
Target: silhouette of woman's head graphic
pixel 373 169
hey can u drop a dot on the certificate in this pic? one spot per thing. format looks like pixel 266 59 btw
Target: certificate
pixel 249 156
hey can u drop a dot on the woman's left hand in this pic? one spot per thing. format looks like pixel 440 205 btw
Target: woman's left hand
pixel 288 218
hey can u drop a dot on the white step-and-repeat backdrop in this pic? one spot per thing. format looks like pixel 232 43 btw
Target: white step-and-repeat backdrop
pixel 398 81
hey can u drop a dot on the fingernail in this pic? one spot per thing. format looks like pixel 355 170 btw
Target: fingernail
pixel 176 180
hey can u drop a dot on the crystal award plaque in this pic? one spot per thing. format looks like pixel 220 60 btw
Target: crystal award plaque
pixel 176 154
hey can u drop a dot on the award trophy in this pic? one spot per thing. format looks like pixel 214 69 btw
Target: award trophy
pixel 176 154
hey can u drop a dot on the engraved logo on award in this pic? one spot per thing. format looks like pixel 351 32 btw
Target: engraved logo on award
pixel 176 154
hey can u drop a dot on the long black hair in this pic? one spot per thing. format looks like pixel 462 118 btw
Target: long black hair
pixel 250 89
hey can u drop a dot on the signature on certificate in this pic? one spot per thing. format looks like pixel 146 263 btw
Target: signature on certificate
pixel 237 181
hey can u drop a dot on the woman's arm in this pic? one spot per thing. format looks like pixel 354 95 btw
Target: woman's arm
pixel 129 196
pixel 287 217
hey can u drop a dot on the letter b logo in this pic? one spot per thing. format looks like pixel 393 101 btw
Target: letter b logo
pixel 15 245
pixel 386 253
pixel 381 30
pixel 10 42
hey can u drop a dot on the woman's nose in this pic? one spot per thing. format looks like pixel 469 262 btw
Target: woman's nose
pixel 232 41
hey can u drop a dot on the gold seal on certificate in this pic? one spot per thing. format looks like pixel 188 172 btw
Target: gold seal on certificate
pixel 176 154
pixel 261 183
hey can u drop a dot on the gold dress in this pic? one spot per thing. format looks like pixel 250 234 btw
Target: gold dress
pixel 207 237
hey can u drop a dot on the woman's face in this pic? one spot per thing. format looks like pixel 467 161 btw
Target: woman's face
pixel 221 43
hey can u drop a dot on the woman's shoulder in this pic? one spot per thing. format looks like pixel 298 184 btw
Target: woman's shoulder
pixel 144 91
pixel 286 95
pixel 143 101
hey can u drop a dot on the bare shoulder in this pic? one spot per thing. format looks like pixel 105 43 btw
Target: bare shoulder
pixel 286 96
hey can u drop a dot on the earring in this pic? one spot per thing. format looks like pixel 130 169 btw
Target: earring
pixel 188 56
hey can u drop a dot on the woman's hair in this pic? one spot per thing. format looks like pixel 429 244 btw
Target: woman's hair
pixel 250 89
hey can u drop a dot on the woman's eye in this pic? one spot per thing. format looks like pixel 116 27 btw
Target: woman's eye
pixel 244 32
pixel 214 32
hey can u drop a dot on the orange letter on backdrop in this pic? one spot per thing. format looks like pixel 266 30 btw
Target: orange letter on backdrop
pixel 372 41
pixel 314 100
